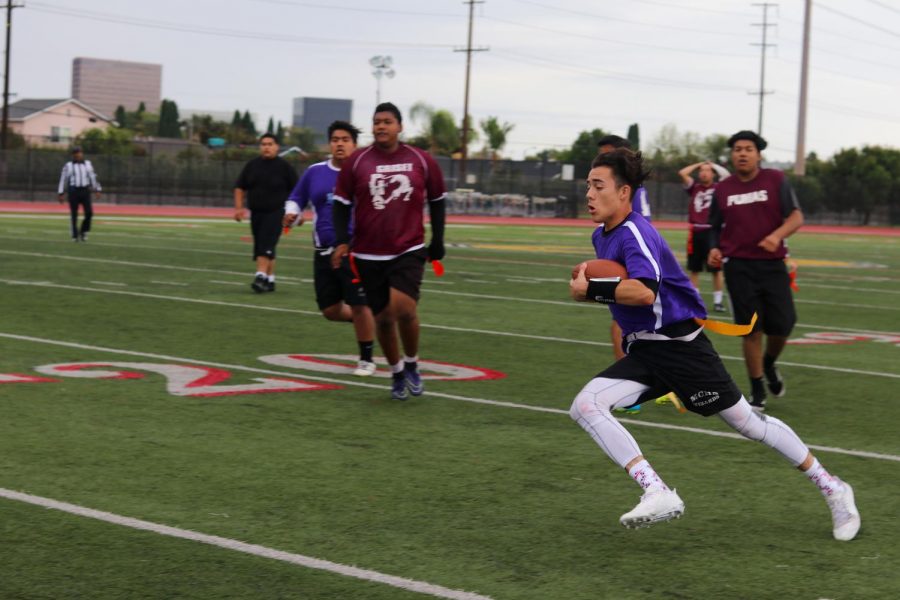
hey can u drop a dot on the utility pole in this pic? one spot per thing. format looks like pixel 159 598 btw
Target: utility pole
pixel 762 72
pixel 465 128
pixel 5 126
pixel 800 158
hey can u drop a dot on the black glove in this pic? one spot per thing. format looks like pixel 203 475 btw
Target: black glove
pixel 436 250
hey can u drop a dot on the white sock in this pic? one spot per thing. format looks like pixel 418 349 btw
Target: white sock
pixel 271 278
pixel 825 481
pixel 407 359
pixel 260 274
pixel 646 477
pixel 398 368
pixel 717 297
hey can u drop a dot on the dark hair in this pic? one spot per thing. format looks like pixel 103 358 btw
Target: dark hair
pixel 344 126
pixel 616 141
pixel 626 165
pixel 389 107
pixel 76 149
pixel 750 136
pixel 268 134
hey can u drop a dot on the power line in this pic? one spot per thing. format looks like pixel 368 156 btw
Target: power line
pixel 355 9
pixel 858 20
pixel 885 6
pixel 230 33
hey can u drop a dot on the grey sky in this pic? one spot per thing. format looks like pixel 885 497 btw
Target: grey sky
pixel 554 68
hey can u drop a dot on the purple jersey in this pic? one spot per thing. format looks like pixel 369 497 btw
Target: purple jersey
pixel 645 254
pixel 640 203
pixel 743 213
pixel 316 188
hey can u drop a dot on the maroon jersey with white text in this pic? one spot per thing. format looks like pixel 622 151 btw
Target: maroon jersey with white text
pixel 701 199
pixel 745 212
pixel 388 194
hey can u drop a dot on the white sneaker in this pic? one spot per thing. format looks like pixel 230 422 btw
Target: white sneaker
pixel 844 514
pixel 656 506
pixel 364 368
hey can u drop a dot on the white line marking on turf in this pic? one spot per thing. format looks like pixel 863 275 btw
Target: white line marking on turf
pixel 500 403
pixel 168 283
pixel 310 562
pixel 424 325
pixel 115 283
pixel 226 282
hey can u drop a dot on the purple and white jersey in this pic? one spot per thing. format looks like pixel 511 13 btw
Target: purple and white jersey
pixel 640 203
pixel 645 254
pixel 316 188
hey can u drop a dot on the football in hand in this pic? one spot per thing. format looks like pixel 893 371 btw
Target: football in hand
pixel 599 268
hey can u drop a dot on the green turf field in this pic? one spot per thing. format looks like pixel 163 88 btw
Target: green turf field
pixel 483 485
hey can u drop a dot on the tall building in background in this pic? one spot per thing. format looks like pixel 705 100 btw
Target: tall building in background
pixel 106 84
pixel 318 113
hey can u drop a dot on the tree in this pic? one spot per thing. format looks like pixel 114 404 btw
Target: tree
pixel 270 128
pixel 247 123
pixel 169 125
pixel 111 140
pixel 495 133
pixel 439 134
pixel 121 116
pixel 141 108
pixel 236 119
pixel 302 137
pixel 279 133
pixel 205 127
pixel 863 180
pixel 634 136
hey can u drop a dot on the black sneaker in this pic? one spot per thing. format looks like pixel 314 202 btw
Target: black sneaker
pixel 774 381
pixel 270 286
pixel 758 402
pixel 398 387
pixel 260 284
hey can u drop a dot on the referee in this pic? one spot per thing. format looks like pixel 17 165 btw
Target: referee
pixel 78 174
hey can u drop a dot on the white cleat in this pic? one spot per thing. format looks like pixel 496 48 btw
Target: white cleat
pixel 844 514
pixel 656 506
pixel 364 368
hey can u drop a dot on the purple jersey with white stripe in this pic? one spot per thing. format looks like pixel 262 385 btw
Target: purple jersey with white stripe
pixel 316 188
pixel 645 254
pixel 640 203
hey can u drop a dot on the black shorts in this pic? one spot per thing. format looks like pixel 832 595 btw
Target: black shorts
pixel 697 251
pixel 266 229
pixel 335 285
pixel 693 370
pixel 403 273
pixel 763 287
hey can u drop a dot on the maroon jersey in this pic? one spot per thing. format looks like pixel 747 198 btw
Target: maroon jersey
pixel 701 199
pixel 388 194
pixel 745 212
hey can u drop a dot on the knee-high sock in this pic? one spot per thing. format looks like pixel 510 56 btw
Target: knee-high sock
pixel 591 410
pixel 766 429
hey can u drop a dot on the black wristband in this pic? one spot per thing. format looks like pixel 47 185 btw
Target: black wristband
pixel 603 290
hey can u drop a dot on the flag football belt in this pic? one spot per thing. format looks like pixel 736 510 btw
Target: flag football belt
pixel 719 327
pixel 722 328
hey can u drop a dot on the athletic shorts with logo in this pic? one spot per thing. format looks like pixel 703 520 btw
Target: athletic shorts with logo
pixel 266 229
pixel 335 285
pixel 403 273
pixel 693 370
pixel 698 250
pixel 763 287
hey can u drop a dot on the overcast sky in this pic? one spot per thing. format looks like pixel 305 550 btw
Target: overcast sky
pixel 552 68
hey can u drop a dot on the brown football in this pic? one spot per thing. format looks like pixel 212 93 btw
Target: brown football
pixel 599 267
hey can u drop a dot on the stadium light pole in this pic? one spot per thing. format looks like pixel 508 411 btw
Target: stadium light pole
pixel 381 66
pixel 800 157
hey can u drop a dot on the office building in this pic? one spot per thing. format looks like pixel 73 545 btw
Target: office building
pixel 318 113
pixel 107 84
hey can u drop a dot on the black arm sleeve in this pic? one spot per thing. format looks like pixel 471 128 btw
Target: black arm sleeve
pixel 437 209
pixel 340 216
pixel 652 284
pixel 789 202
pixel 715 221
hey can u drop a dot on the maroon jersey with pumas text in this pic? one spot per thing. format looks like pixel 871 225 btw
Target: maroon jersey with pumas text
pixel 388 192
pixel 743 213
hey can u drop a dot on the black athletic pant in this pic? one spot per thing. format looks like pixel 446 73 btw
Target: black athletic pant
pixel 82 196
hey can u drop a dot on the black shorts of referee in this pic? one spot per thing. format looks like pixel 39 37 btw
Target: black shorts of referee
pixel 692 369
pixel 335 285
pixel 266 230
pixel 762 287
pixel 698 250
pixel 403 273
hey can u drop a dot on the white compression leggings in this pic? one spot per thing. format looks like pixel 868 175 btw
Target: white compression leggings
pixel 592 406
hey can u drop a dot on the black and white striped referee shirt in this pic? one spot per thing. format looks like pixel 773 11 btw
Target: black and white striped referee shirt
pixel 78 175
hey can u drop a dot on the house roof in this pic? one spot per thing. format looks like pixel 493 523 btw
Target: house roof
pixel 29 107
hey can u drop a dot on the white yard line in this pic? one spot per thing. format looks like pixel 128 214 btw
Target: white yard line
pixel 432 394
pixel 113 283
pixel 424 325
pixel 310 562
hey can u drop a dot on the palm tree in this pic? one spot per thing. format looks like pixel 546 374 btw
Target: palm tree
pixel 439 131
pixel 495 133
